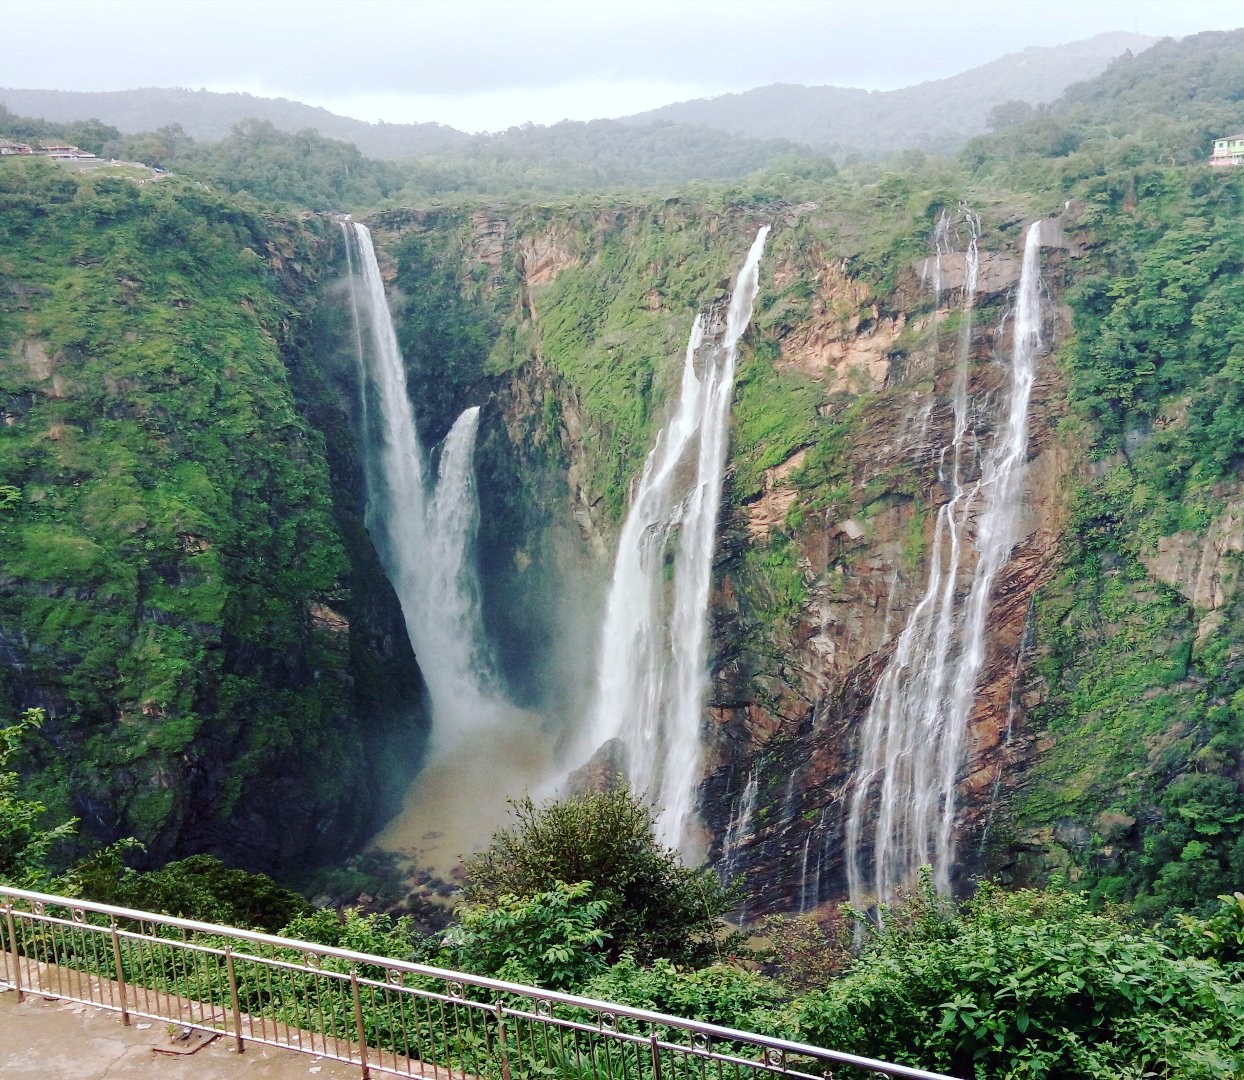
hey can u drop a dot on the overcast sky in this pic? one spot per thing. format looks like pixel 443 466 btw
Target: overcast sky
pixel 489 64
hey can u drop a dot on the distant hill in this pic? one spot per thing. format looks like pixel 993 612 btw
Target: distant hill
pixel 601 154
pixel 938 116
pixel 205 115
pixel 1168 105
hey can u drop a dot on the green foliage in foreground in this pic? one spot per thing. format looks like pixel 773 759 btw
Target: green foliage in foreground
pixel 651 905
pixel 551 939
pixel 24 842
pixel 723 993
pixel 1013 986
pixel 1033 985
pixel 204 888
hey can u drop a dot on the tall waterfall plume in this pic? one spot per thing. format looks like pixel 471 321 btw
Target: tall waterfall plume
pixel 902 809
pixel 427 531
pixel 482 748
pixel 653 671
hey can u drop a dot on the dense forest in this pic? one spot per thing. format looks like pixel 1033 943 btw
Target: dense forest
pixel 205 679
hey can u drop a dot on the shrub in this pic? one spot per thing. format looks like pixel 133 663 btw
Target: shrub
pixel 1033 985
pixel 654 905
pixel 23 844
pixel 204 888
pixel 552 939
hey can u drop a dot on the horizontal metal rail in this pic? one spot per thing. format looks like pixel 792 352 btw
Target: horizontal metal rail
pixel 386 1016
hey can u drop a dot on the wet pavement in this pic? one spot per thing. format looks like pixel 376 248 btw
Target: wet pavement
pixel 46 1039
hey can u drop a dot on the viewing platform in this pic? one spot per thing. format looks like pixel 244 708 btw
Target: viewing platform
pixel 268 998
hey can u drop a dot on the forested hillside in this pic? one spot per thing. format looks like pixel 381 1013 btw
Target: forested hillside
pixel 933 117
pixel 207 117
pixel 187 589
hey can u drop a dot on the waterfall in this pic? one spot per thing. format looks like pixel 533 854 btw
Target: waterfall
pixel 482 748
pixel 426 533
pixel 740 827
pixel 361 365
pixel 653 672
pixel 902 807
pixel 453 635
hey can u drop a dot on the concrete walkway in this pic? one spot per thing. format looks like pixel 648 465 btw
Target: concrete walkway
pixel 44 1039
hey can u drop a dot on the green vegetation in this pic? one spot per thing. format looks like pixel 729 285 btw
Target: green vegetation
pixel 202 887
pixel 639 900
pixel 614 324
pixel 1138 794
pixel 182 550
pixel 303 169
pixel 553 938
pixel 1162 106
pixel 1036 985
pixel 169 531
pixel 24 844
pixel 1031 985
pixel 452 316
pixel 90 135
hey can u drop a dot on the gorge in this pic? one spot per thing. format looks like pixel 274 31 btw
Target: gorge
pixel 794 594
pixel 919 552
pixel 300 517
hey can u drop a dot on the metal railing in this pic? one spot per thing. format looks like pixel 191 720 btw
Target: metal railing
pixel 386 1016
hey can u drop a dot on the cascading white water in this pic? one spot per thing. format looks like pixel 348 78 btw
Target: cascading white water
pixel 482 748
pixel 652 671
pixel 913 733
pixel 398 518
pixel 427 539
pixel 740 826
pixel 361 365
pixel 465 682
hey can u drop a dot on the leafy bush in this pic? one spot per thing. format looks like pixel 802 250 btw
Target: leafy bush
pixel 802 953
pixel 653 905
pixel 376 933
pixel 718 994
pixel 1031 985
pixel 552 939
pixel 24 844
pixel 204 888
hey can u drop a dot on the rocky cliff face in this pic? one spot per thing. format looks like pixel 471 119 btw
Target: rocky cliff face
pixel 186 587
pixel 792 674
pixel 790 697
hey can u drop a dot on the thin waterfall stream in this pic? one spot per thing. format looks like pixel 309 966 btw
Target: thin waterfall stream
pixel 653 667
pixel 902 807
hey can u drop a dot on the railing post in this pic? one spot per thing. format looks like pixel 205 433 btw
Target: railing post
pixel 233 1000
pixel 116 960
pixel 656 1053
pixel 505 1055
pixel 358 1024
pixel 17 957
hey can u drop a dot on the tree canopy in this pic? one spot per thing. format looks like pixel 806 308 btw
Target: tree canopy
pixel 654 906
